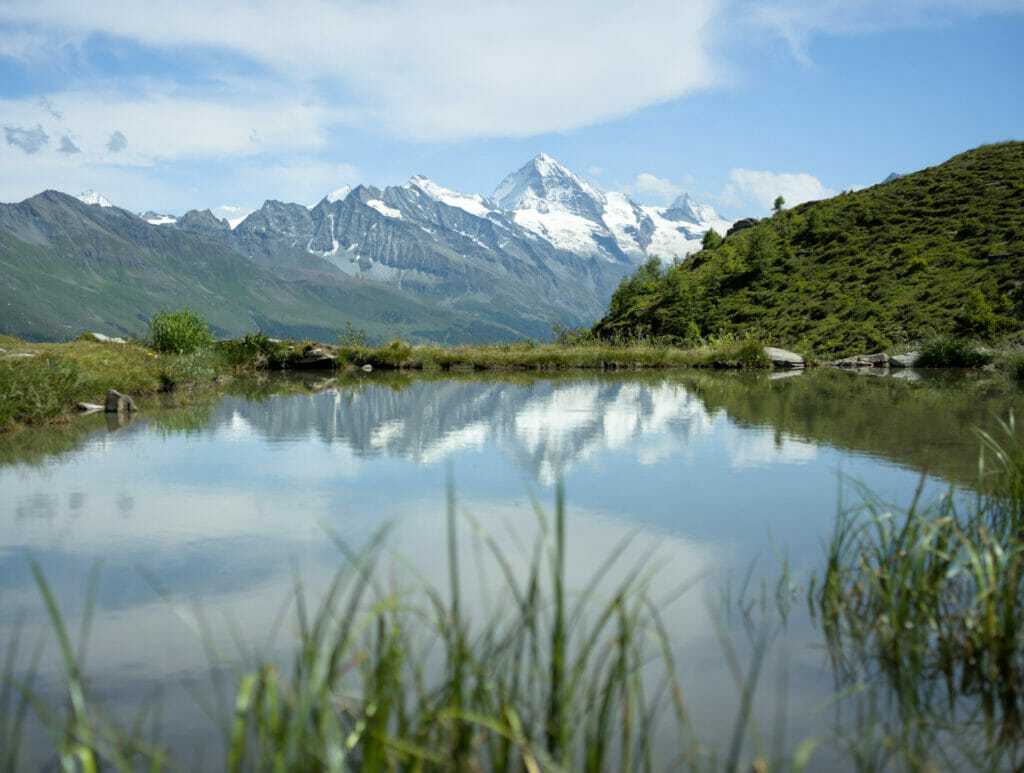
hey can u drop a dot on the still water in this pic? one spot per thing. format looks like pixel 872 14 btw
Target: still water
pixel 201 517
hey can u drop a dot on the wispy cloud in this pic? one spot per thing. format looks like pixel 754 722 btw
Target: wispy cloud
pixel 68 146
pixel 659 187
pixel 29 140
pixel 117 142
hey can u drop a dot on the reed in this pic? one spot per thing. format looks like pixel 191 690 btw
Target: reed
pixel 393 673
pixel 927 602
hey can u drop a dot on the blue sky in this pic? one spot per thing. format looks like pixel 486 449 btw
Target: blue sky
pixel 734 101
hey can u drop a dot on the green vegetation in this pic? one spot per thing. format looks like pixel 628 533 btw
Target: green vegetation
pixel 926 602
pixel 946 351
pixel 179 332
pixel 940 251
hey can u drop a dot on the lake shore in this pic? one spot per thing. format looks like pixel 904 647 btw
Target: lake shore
pixel 43 382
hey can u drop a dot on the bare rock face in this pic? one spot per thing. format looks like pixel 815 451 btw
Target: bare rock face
pixel 780 358
pixel 119 403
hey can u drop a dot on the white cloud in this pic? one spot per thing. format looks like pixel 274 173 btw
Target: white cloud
pixel 442 70
pixel 796 21
pixel 659 187
pixel 763 187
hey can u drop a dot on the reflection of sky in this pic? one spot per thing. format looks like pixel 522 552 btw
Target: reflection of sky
pixel 217 516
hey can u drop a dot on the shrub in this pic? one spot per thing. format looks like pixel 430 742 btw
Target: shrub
pixel 254 351
pixel 180 332
pixel 1017 367
pixel 946 351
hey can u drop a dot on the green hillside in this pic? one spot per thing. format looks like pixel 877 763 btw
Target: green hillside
pixel 66 267
pixel 937 251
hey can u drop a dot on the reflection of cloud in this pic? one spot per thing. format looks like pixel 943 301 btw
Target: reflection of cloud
pixel 763 448
pixel 29 140
pixel 117 142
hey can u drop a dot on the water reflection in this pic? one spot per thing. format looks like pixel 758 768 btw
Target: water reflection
pixel 204 511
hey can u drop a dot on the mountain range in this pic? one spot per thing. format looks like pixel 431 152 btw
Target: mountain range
pixel 417 260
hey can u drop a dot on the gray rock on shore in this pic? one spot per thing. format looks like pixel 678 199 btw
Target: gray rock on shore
pixel 780 358
pixel 119 403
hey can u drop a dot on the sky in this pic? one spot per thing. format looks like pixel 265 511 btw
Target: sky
pixel 227 104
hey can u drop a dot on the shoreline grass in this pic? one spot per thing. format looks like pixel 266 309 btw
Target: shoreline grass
pixel 46 385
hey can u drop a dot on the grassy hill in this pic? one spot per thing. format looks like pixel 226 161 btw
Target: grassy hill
pixel 936 251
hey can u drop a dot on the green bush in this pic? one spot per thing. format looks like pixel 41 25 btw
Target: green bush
pixel 180 332
pixel 253 351
pixel 946 351
pixel 1017 367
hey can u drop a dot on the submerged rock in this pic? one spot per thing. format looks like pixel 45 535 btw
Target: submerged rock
pixel 780 358
pixel 119 403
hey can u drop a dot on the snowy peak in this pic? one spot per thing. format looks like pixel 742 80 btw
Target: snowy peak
pixel 92 197
pixel 473 204
pixel 339 195
pixel 684 209
pixel 544 185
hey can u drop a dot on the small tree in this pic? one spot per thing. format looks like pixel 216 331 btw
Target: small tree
pixel 711 239
pixel 778 205
pixel 180 332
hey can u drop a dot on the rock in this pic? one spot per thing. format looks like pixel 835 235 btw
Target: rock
pixel 367 367
pixel 880 360
pixel 780 358
pixel 906 374
pixel 908 360
pixel 119 403
pixel 739 225
pixel 89 407
pixel 3 351
pixel 108 339
pixel 313 358
pixel 23 356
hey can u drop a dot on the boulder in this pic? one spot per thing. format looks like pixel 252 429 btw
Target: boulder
pixel 108 339
pixel 908 360
pixel 739 225
pixel 89 407
pixel 3 351
pixel 367 367
pixel 22 356
pixel 880 360
pixel 119 403
pixel 780 358
pixel 313 358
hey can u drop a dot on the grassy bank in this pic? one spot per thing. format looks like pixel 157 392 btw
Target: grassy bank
pixel 42 382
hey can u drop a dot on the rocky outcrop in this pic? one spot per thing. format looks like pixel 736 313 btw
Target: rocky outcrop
pixel 780 358
pixel 740 225
pixel 119 403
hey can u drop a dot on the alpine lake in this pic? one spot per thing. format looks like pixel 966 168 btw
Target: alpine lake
pixel 174 540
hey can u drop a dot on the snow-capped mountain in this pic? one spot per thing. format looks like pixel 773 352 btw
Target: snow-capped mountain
pixel 92 197
pixel 554 203
pixel 546 247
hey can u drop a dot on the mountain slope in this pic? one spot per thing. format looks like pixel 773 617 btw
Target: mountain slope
pixel 66 266
pixel 940 250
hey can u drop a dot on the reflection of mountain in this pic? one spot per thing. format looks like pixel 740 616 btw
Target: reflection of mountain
pixel 544 429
